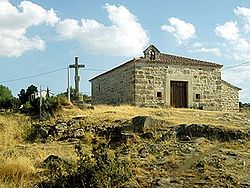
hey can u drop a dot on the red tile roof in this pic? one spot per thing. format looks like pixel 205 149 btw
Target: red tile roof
pixel 186 61
pixel 167 58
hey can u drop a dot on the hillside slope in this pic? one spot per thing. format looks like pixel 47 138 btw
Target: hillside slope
pixel 162 147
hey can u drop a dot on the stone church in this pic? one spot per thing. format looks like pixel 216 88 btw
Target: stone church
pixel 159 79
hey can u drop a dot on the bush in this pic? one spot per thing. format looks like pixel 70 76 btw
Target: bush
pixel 85 98
pixel 49 106
pixel 63 101
pixel 96 171
pixel 11 103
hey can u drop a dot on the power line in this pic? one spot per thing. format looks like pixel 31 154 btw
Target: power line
pixel 44 73
pixel 238 65
pixel 91 69
pixel 32 76
pixel 94 69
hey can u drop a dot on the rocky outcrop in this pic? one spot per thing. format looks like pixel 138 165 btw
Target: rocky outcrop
pixel 194 155
pixel 183 132
pixel 146 127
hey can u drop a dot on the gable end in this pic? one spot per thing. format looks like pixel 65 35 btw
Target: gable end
pixel 151 53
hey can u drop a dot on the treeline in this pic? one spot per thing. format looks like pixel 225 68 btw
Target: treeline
pixel 28 101
pixel 7 100
pixel 244 105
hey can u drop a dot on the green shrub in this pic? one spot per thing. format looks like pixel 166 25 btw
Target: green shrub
pixel 10 103
pixel 49 106
pixel 96 171
pixel 85 98
pixel 102 170
pixel 7 101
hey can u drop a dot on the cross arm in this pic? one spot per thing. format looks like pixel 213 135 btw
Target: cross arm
pixel 75 66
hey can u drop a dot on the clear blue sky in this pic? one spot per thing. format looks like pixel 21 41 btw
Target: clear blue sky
pixel 41 36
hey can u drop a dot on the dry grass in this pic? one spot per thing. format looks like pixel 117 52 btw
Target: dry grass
pixel 17 171
pixel 10 130
pixel 20 160
pixel 104 113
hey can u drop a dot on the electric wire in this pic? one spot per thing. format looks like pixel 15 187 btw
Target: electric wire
pixel 98 70
pixel 237 65
pixel 94 70
pixel 44 73
pixel 33 76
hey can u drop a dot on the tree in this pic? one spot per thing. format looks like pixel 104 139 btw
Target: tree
pixel 26 96
pixel 22 96
pixel 31 90
pixel 7 101
pixel 85 97
pixel 31 102
pixel 5 93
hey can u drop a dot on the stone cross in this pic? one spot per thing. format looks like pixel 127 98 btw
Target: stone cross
pixel 77 77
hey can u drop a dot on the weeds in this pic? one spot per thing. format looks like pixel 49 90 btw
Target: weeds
pixel 16 171
pixel 96 165
pixel 101 169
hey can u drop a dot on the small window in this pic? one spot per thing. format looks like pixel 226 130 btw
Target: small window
pixel 151 55
pixel 198 96
pixel 159 94
pixel 99 87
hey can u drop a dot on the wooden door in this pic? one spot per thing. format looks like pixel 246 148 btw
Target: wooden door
pixel 179 94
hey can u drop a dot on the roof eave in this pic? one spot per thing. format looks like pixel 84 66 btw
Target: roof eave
pixel 231 85
pixel 200 62
pixel 113 69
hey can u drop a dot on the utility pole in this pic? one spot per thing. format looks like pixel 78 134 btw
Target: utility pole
pixel 47 92
pixel 76 66
pixel 68 84
pixel 40 103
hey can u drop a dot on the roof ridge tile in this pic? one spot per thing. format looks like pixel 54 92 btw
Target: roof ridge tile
pixel 166 57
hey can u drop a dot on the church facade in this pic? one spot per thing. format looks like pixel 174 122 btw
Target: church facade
pixel 164 80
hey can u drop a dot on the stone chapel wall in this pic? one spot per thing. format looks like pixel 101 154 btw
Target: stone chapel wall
pixel 152 78
pixel 114 87
pixel 229 97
